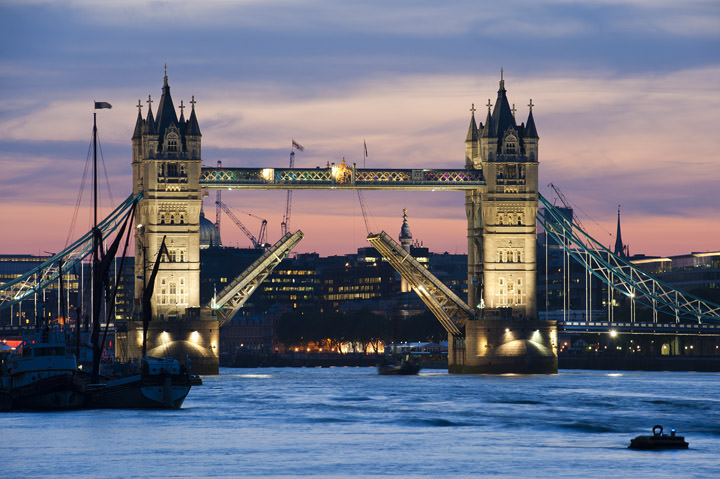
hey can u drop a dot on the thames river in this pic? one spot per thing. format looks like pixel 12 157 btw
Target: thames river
pixel 350 422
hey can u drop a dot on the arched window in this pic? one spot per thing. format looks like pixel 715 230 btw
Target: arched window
pixel 510 145
pixel 172 143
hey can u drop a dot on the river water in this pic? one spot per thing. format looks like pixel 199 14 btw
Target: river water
pixel 350 422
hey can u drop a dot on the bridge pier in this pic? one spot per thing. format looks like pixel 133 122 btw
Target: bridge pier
pixel 505 345
pixel 194 342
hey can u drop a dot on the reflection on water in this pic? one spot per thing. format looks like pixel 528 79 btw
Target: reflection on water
pixel 350 422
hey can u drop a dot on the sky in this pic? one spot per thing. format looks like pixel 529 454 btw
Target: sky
pixel 626 101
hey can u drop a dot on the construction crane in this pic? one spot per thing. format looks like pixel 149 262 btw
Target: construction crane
pixel 218 202
pixel 566 204
pixel 262 235
pixel 257 244
pixel 288 202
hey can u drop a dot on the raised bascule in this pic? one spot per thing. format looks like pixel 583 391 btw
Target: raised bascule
pixel 496 331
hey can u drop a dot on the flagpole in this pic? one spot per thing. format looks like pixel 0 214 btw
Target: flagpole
pixel 364 152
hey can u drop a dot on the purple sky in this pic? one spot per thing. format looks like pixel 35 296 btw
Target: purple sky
pixel 626 94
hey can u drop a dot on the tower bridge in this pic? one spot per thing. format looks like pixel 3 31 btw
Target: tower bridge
pixel 499 179
pixel 496 330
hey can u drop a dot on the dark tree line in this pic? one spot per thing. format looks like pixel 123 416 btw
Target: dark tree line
pixel 362 327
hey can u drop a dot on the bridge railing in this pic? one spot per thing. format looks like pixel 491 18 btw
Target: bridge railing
pixel 621 275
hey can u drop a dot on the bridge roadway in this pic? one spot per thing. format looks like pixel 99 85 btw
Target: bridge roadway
pixel 594 327
pixel 340 176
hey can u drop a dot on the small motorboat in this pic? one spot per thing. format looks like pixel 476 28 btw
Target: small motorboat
pixel 659 440
pixel 406 366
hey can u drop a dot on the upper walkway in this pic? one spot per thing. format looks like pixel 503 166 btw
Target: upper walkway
pixel 340 177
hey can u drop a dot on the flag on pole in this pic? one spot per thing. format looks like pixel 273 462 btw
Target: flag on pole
pixel 99 105
pixel 364 157
pixel 297 146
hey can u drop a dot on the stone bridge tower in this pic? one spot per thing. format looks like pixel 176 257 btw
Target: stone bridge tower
pixel 507 335
pixel 501 219
pixel 166 167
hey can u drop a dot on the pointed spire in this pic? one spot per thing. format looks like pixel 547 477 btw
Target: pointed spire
pixel 166 110
pixel 502 116
pixel 193 127
pixel 137 133
pixel 619 248
pixel 488 130
pixel 530 130
pixel 150 121
pixel 472 134
pixel 182 112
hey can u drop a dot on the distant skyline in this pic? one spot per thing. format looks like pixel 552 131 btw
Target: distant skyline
pixel 626 100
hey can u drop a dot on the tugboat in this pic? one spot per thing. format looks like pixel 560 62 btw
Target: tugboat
pixel 407 366
pixel 659 440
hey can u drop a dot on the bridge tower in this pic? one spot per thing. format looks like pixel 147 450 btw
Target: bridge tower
pixel 501 221
pixel 166 168
pixel 501 247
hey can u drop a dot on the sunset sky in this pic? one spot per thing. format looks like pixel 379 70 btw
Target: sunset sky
pixel 626 95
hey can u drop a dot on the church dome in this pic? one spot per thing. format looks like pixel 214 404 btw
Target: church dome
pixel 209 235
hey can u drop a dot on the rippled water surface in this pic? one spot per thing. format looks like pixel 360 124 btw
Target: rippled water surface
pixel 350 422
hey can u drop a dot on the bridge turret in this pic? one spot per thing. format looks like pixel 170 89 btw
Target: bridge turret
pixel 193 135
pixel 471 141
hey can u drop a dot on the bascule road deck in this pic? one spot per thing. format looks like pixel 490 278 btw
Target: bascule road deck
pixel 340 177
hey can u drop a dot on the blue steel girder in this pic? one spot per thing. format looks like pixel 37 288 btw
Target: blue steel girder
pixel 47 272
pixel 621 275
pixel 340 177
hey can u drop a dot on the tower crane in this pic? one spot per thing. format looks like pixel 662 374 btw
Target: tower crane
pixel 566 203
pixel 257 244
pixel 218 201
pixel 262 235
pixel 288 201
